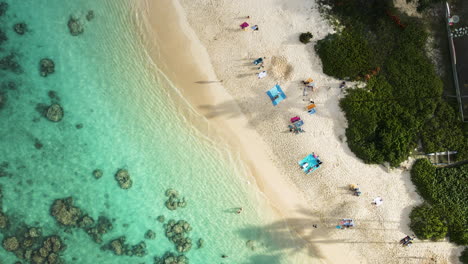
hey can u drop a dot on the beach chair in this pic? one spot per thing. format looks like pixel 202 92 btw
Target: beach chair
pixel 311 109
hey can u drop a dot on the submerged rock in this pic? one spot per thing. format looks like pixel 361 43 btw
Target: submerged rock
pixel 54 113
pixel 200 243
pixel 75 26
pixel 90 15
pixel 123 178
pixel 3 169
pixel 20 28
pixel 79 126
pixel 150 234
pixel 97 173
pixel 47 66
pixel 11 244
pixel 65 213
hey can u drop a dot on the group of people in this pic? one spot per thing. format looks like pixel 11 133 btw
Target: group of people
pixel 407 241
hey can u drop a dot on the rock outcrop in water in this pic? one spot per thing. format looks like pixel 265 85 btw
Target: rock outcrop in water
pixel 20 28
pixel 75 26
pixel 173 202
pixel 8 63
pixel 161 219
pixel 47 66
pixel 123 179
pixel 54 113
pixel 177 233
pixel 171 258
pixel 120 248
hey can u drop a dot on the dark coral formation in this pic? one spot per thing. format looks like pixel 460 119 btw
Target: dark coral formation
pixel 8 63
pixel 150 234
pixel 90 15
pixel 3 169
pixel 75 26
pixel 28 244
pixel 79 126
pixel 177 233
pixel 120 248
pixel 123 179
pixel 102 227
pixel 2 100
pixel 53 95
pixel 69 215
pixel 38 144
pixel 171 258
pixel 3 220
pixel 3 37
pixel 3 8
pixel 97 173
pixel 65 213
pixel 54 113
pixel 200 243
pixel 20 28
pixel 161 219
pixel 174 201
pixel 46 67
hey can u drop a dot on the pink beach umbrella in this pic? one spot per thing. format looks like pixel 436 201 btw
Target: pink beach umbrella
pixel 244 25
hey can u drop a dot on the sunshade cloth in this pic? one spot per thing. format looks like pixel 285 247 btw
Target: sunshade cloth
pixel 276 94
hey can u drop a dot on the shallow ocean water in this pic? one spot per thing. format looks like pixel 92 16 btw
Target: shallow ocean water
pixel 132 118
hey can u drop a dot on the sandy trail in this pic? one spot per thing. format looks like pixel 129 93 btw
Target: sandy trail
pixel 212 47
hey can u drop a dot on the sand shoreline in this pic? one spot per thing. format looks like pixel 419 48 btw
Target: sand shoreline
pixel 256 129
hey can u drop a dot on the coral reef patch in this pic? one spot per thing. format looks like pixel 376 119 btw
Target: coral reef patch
pixel 123 179
pixel 173 202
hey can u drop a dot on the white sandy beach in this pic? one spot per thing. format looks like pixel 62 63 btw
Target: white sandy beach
pixel 207 45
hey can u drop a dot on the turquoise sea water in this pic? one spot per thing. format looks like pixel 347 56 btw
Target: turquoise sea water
pixel 132 118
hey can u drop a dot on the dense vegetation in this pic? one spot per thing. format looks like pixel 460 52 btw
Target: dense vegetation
pixel 464 256
pixel 446 210
pixel 402 102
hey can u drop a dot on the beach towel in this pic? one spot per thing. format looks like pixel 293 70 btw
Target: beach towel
pixel 276 94
pixel 244 25
pixel 262 74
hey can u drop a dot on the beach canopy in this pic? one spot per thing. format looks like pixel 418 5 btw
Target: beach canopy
pixel 310 163
pixel 276 94
pixel 244 25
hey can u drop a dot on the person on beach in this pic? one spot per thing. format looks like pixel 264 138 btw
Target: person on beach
pixel 377 201
pixel 255 28
pixel 314 226
pixel 343 85
pixel 239 210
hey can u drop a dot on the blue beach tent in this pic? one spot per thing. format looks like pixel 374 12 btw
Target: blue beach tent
pixel 310 163
pixel 276 94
